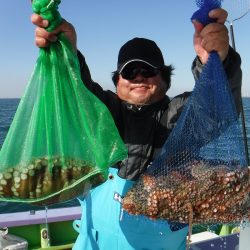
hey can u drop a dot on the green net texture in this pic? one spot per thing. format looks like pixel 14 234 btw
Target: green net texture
pixel 63 138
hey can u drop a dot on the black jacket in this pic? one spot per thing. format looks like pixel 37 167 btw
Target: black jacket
pixel 145 129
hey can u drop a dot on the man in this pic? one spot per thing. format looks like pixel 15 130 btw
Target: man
pixel 144 116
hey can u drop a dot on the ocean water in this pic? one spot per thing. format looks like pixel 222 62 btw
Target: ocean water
pixel 246 105
pixel 7 111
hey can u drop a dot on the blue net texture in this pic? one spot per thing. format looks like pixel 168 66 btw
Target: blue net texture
pixel 204 7
pixel 201 175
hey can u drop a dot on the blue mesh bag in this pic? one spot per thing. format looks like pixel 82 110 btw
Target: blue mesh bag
pixel 201 175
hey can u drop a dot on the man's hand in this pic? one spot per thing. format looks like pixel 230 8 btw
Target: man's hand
pixel 212 37
pixel 43 38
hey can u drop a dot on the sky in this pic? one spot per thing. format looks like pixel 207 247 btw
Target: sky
pixel 102 28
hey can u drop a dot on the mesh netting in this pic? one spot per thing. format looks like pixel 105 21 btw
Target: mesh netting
pixel 62 139
pixel 236 9
pixel 201 175
pixel 204 7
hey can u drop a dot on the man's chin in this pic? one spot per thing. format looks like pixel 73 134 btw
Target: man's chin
pixel 140 100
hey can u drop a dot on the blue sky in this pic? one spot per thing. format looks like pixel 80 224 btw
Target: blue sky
pixel 102 27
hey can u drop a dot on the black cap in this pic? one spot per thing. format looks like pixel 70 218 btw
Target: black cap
pixel 142 50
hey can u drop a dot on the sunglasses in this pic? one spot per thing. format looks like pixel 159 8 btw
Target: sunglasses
pixel 131 71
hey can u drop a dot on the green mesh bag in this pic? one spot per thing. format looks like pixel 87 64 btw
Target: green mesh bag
pixel 63 138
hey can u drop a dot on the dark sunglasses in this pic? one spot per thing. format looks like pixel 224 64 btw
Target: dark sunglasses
pixel 130 72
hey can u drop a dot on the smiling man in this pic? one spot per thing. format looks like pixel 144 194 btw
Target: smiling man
pixel 144 116
pixel 140 84
pixel 139 78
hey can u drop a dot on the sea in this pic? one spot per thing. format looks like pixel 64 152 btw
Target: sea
pixel 8 108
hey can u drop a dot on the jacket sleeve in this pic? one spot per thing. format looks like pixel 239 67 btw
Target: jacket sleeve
pixel 232 66
pixel 92 86
pixel 109 98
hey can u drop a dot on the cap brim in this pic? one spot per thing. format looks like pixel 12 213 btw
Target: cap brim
pixel 134 60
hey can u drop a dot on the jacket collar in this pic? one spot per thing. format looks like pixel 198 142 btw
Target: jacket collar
pixel 145 107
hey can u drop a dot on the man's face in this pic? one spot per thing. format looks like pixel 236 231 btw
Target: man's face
pixel 142 88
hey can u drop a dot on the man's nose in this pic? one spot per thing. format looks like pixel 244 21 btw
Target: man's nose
pixel 139 77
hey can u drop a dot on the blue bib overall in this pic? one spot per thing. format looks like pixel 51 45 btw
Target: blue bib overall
pixel 103 226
